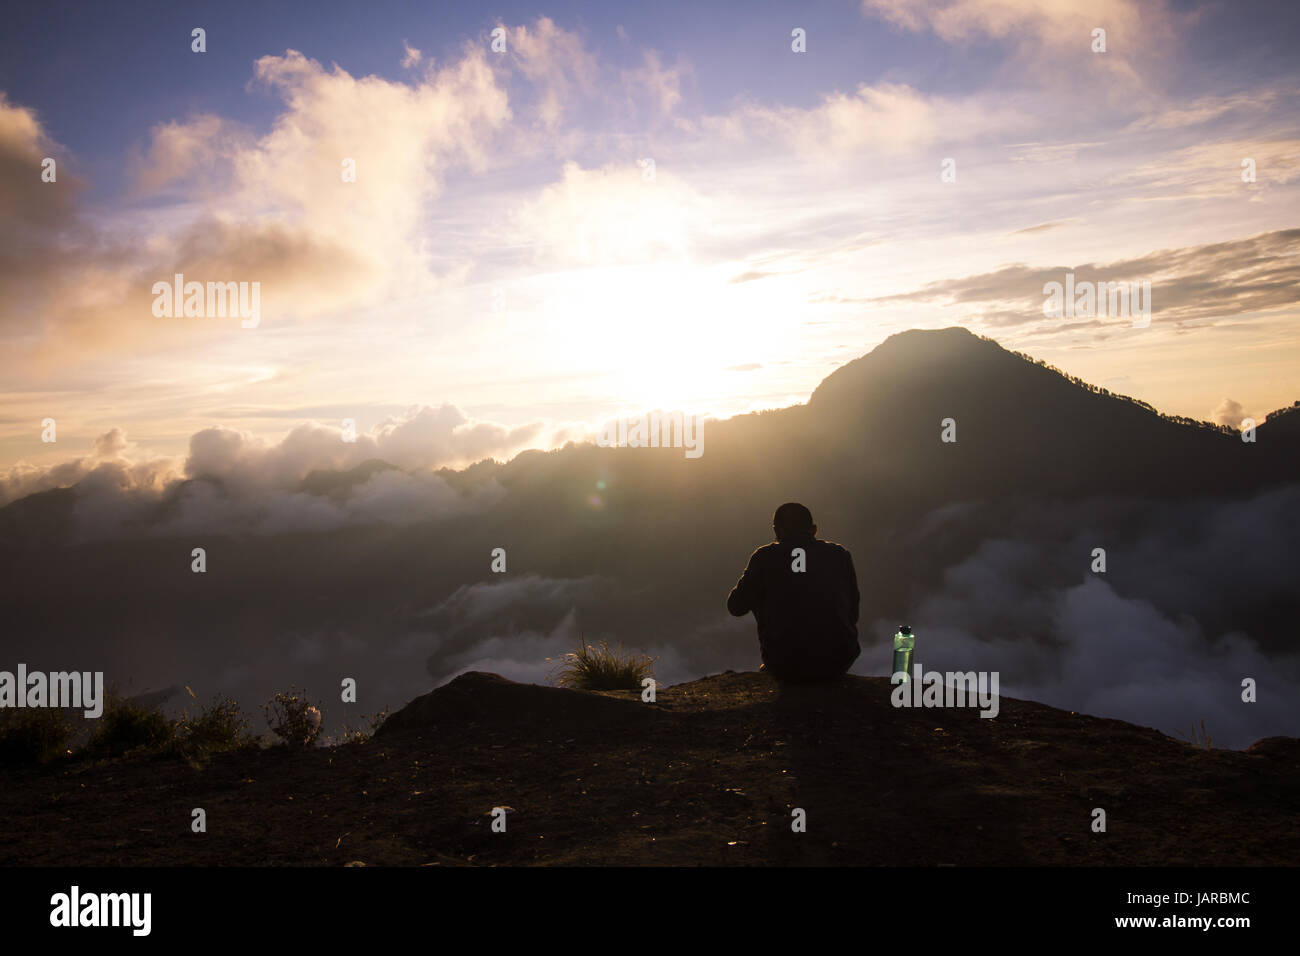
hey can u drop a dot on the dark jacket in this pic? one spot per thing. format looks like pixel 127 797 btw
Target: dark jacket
pixel 807 620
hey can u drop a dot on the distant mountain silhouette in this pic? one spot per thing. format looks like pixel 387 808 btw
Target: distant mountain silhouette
pixel 872 427
pixel 1025 428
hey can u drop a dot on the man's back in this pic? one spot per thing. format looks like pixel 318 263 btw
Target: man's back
pixel 806 606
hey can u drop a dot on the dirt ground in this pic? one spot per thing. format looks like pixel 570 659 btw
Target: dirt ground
pixel 709 774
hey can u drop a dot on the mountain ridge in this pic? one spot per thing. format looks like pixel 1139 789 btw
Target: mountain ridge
pixel 963 369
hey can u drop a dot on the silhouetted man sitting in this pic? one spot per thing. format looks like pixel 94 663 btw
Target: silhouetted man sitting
pixel 804 595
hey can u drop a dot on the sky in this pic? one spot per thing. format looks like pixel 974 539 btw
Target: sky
pixel 609 208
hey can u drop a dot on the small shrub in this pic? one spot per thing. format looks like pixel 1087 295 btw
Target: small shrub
pixel 126 726
pixel 293 719
pixel 32 735
pixel 599 667
pixel 219 727
pixel 359 735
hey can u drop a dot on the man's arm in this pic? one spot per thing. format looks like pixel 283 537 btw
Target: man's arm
pixel 744 596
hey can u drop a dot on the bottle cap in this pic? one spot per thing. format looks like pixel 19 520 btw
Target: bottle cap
pixel 905 628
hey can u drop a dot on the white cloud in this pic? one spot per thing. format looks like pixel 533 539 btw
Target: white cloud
pixel 1060 23
pixel 884 119
pixel 1229 412
pixel 1052 39
pixel 661 86
pixel 612 215
pixel 178 150
pixel 272 209
pixel 557 64
pixel 252 484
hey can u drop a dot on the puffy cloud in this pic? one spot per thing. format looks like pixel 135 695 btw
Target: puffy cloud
pixel 613 215
pixel 234 456
pixel 386 497
pixel 272 209
pixel 1229 412
pixel 105 467
pixel 27 203
pixel 521 627
pixel 45 239
pixel 471 608
pixel 444 435
pixel 1154 640
pixel 179 149
pixel 233 479
pixel 425 437
pixel 880 119
pixel 111 444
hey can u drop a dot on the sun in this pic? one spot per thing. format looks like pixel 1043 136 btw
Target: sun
pixel 661 335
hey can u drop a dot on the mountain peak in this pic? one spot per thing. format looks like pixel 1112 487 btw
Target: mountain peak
pixel 907 354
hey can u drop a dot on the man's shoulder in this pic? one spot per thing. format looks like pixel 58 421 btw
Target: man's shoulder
pixel 834 547
pixel 781 549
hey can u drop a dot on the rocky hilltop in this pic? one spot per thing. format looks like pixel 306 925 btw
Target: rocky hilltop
pixel 711 773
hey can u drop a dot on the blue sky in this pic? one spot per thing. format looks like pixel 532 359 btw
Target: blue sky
pixel 504 254
pixel 102 75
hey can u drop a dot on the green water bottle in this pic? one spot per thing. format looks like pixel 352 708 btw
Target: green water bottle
pixel 904 641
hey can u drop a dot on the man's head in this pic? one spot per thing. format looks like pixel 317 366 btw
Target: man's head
pixel 792 520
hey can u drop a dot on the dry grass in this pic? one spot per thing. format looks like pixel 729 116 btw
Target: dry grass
pixel 600 667
pixel 1202 740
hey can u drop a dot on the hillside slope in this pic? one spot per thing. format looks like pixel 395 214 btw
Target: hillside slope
pixel 709 774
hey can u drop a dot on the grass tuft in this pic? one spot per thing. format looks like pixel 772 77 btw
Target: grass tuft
pixel 359 735
pixel 600 667
pixel 217 728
